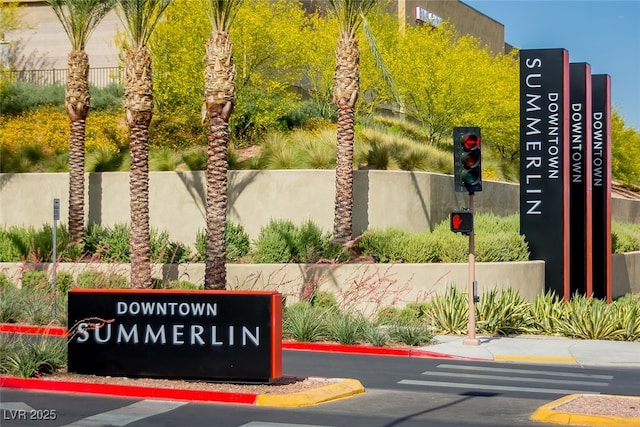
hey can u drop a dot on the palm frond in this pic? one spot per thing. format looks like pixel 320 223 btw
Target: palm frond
pixel 79 18
pixel 349 14
pixel 140 17
pixel 221 13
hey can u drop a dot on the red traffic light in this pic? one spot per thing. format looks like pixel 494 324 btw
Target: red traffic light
pixel 470 142
pixel 467 158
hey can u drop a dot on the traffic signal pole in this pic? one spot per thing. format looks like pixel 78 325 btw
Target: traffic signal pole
pixel 471 294
pixel 467 172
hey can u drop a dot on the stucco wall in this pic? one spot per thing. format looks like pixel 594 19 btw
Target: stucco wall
pixel 365 287
pixel 414 201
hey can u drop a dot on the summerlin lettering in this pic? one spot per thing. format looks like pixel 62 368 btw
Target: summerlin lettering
pixel 535 152
pixel 194 309
pixel 598 153
pixel 175 335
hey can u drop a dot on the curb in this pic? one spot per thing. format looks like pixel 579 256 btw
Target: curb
pixel 337 388
pixel 548 414
pixel 535 359
pixel 340 389
pixel 371 350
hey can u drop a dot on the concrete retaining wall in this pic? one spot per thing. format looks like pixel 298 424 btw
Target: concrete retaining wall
pixel 364 287
pixel 413 201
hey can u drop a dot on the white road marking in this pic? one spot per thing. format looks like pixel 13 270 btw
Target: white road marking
pixel 525 371
pixel 493 387
pixel 128 414
pixel 523 379
pixel 267 424
pixel 15 406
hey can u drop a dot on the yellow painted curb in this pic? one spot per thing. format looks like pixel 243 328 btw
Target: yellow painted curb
pixel 339 388
pixel 543 359
pixel 547 414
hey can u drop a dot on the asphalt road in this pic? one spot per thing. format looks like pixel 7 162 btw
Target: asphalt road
pixel 401 392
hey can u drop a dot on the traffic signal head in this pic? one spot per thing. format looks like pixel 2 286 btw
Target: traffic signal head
pixel 467 159
pixel 461 221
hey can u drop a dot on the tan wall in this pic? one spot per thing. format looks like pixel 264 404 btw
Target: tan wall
pixel 414 201
pixel 364 287
pixel 466 19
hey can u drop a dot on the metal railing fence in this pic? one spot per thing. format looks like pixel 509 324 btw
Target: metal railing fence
pixel 98 77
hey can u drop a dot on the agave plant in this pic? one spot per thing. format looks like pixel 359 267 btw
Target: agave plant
pixel 449 313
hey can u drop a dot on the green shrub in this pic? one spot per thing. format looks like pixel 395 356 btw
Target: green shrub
pixel 386 244
pixel 324 301
pixel 546 313
pixel 5 281
pixel 9 251
pixel 163 250
pixel 448 313
pixel 34 357
pixel 376 335
pixel 302 322
pixel 589 318
pixel 184 285
pixel 106 98
pixel 501 247
pixel 454 247
pixel 21 97
pixel 236 240
pixel 625 237
pixel 420 248
pixel 35 280
pixel 502 312
pixel 416 334
pixel 110 244
pixel 345 328
pixel 280 241
pixel 64 282
pixel 99 280
pixel 11 304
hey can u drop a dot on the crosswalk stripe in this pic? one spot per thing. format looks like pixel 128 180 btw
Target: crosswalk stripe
pixel 267 424
pixel 128 414
pixel 493 387
pixel 15 406
pixel 523 379
pixel 525 371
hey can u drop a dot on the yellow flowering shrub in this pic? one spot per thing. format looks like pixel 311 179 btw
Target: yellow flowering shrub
pixel 48 128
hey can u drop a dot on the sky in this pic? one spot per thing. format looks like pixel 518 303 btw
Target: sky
pixel 603 33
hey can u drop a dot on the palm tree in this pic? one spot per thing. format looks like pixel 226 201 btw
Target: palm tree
pixel 346 82
pixel 139 18
pixel 78 18
pixel 219 94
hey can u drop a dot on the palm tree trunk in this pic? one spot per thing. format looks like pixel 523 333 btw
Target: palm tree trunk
pixel 139 187
pixel 77 101
pixel 76 180
pixel 219 102
pixel 217 165
pixel 139 111
pixel 346 88
pixel 343 223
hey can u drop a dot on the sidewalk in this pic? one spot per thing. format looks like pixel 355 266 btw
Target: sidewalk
pixel 542 349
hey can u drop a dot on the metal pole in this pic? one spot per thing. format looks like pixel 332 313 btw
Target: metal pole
pixel 54 252
pixel 471 330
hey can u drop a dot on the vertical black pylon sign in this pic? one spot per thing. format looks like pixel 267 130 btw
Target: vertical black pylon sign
pixel 544 161
pixel 580 190
pixel 601 184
